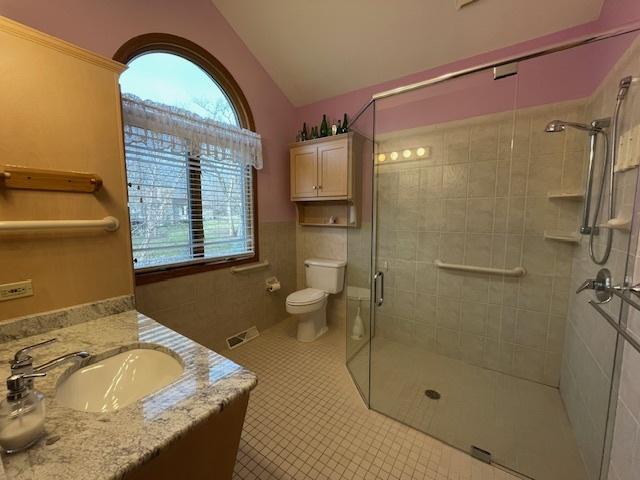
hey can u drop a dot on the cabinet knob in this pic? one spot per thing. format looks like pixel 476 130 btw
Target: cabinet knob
pixel 320 187
pixel 315 187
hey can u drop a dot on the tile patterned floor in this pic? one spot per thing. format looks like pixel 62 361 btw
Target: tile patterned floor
pixel 306 420
pixel 522 423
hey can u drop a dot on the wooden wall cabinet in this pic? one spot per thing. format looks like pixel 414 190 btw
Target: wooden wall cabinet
pixel 324 180
pixel 323 169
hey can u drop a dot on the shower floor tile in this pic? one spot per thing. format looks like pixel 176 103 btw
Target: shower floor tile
pixel 306 420
pixel 522 423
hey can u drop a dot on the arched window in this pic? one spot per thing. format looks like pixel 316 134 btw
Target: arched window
pixel 191 155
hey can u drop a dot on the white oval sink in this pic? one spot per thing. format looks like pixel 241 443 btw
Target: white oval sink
pixel 119 380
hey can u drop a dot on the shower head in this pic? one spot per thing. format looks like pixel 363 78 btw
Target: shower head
pixel 625 83
pixel 560 126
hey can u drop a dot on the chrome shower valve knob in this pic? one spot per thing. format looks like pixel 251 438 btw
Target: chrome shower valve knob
pixel 601 285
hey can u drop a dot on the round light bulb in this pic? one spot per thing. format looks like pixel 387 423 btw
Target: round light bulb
pixel 382 157
pixel 406 153
pixel 421 151
pixel 394 155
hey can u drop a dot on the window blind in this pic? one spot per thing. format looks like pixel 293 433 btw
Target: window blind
pixel 186 206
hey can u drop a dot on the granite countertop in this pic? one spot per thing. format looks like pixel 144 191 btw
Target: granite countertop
pixel 81 445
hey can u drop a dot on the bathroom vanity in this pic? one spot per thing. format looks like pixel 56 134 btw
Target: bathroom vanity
pixel 189 428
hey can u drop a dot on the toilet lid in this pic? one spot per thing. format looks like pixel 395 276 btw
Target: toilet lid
pixel 305 297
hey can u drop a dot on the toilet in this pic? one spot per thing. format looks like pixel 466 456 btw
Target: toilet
pixel 309 305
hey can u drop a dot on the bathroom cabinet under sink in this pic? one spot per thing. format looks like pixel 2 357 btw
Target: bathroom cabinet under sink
pixel 207 451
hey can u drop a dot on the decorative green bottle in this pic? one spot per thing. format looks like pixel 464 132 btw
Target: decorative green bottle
pixel 304 135
pixel 345 124
pixel 324 127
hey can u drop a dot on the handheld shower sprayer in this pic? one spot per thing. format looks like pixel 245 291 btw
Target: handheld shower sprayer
pixel 597 127
pixel 625 83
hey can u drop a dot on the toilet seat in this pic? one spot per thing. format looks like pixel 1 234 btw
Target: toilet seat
pixel 307 296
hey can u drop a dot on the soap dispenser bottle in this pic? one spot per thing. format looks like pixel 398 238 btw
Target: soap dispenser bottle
pixel 21 414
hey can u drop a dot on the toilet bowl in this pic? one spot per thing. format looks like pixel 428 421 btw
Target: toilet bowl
pixel 310 308
pixel 309 305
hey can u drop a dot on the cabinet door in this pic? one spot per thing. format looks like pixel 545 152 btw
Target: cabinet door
pixel 333 169
pixel 304 172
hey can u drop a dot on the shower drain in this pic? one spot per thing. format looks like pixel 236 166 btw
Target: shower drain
pixel 432 394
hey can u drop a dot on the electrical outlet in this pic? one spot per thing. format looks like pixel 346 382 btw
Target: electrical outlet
pixel 9 291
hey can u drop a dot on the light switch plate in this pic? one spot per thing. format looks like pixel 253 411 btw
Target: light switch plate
pixel 10 291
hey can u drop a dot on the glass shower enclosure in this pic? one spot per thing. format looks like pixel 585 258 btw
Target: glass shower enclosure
pixel 462 316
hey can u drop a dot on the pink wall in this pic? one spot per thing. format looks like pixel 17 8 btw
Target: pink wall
pixel 559 77
pixel 103 26
pixel 575 74
pixel 616 13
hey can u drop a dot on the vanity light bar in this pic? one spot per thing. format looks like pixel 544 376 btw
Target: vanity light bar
pixel 404 155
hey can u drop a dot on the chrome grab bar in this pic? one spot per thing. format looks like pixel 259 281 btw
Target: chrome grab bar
pixel 624 333
pixel 249 267
pixel 604 291
pixel 619 292
pixel 511 272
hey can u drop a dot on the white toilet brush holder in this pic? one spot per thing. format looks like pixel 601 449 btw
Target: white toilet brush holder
pixel 357 332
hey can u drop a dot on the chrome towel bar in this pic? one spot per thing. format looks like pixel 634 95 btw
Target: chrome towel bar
pixel 624 333
pixel 249 267
pixel 620 294
pixel 507 272
pixel 110 224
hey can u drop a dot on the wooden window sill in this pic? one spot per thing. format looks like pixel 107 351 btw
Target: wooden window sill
pixel 144 278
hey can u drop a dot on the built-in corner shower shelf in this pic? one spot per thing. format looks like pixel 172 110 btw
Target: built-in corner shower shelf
pixel 618 223
pixel 562 237
pixel 575 196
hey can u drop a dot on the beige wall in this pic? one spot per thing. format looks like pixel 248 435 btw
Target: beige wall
pixel 209 307
pixel 61 110
pixel 476 201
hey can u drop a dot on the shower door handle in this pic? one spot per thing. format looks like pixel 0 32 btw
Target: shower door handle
pixel 378 281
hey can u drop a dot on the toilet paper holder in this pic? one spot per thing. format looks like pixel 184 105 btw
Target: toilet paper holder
pixel 272 284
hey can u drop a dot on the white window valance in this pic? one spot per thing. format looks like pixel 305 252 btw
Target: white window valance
pixel 154 124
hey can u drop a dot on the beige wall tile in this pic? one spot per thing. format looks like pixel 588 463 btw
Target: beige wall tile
pixel 207 307
pixel 486 206
pixel 531 329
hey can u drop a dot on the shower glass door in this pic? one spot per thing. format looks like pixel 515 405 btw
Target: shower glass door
pixel 359 273
pixel 444 171
pixel 480 340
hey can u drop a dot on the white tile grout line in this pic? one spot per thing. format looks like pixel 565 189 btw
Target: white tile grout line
pixel 307 421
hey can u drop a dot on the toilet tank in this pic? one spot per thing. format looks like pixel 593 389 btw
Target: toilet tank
pixel 324 274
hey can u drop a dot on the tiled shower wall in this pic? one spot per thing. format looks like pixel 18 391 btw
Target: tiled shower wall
pixel 209 307
pixel 625 455
pixel 590 342
pixel 480 200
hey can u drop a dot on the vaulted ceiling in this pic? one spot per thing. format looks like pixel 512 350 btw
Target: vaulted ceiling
pixel 315 49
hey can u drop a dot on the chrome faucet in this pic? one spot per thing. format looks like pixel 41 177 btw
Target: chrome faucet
pixel 69 357
pixel 22 362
